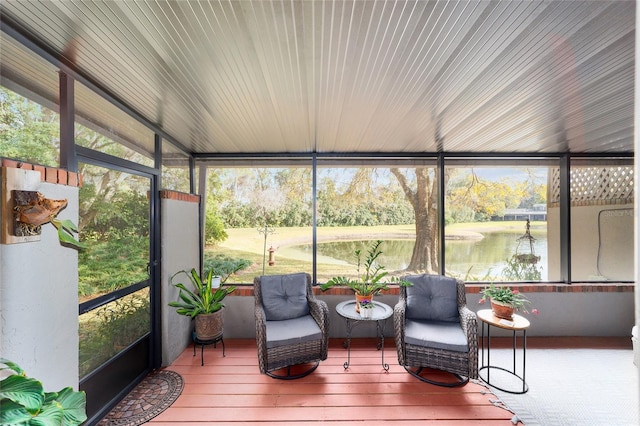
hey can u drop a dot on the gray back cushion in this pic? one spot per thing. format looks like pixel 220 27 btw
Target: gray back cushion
pixel 284 296
pixel 432 297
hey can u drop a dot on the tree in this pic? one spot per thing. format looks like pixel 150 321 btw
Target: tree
pixel 214 227
pixel 421 189
pixel 28 131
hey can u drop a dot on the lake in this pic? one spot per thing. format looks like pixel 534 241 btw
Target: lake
pixel 477 258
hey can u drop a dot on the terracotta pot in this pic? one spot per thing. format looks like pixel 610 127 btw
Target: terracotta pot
pixel 502 310
pixel 209 326
pixel 360 298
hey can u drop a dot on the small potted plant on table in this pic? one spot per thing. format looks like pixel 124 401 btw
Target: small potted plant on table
pixel 366 309
pixel 370 282
pixel 505 301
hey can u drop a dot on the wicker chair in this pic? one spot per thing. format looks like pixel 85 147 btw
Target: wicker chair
pixel 435 329
pixel 292 325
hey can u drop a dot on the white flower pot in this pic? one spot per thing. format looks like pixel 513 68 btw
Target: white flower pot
pixel 366 313
pixel 215 282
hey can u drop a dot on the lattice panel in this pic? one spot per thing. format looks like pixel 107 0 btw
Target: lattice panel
pixel 595 185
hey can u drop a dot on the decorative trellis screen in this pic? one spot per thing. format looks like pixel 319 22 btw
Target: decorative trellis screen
pixel 594 186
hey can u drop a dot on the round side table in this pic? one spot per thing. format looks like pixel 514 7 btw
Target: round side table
pixel 381 312
pixel 519 323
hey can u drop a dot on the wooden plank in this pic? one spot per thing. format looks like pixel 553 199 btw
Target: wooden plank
pixel 230 390
pixel 234 399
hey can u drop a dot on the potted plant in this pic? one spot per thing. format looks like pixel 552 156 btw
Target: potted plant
pixel 23 401
pixel 505 301
pixel 368 283
pixel 366 309
pixel 204 304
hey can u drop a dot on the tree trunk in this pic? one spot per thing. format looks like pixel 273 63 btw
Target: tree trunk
pixel 423 198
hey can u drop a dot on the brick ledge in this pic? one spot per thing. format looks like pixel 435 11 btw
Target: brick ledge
pixel 47 174
pixel 247 290
pixel 169 194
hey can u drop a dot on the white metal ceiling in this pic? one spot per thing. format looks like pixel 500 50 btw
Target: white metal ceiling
pixel 355 76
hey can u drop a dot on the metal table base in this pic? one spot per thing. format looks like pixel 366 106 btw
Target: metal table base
pixel 488 367
pixel 380 314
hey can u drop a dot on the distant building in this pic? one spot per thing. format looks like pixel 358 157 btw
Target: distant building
pixel 537 213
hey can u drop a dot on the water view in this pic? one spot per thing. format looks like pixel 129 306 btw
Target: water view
pixel 469 259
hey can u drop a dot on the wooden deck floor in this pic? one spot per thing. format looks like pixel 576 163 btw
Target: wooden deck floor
pixel 231 390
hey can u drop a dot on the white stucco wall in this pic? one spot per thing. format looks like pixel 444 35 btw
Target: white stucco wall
pixel 602 244
pixel 39 301
pixel 180 251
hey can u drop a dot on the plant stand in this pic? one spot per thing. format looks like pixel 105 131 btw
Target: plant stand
pixel 204 343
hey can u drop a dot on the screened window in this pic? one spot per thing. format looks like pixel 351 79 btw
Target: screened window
pixel 358 205
pixel 258 219
pixel 497 224
pixel 175 168
pixel 106 331
pixel 103 127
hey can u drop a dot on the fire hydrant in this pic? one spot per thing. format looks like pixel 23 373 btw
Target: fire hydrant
pixel 272 260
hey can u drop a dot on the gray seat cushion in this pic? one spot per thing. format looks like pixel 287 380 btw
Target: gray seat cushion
pixel 292 331
pixel 284 296
pixel 432 297
pixel 436 334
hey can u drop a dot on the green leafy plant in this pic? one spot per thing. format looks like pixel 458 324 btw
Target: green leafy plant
pixel 370 281
pixel 506 296
pixel 204 300
pixel 23 401
pixel 66 229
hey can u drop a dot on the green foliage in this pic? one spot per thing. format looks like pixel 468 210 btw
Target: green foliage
pixel 505 295
pixel 125 213
pixel 28 131
pixel 224 266
pixel 113 264
pixel 109 329
pixel 365 203
pixel 204 300
pixel 370 200
pixel 471 199
pixel 114 218
pixel 23 401
pixel 370 281
pixel 214 227
pixel 522 268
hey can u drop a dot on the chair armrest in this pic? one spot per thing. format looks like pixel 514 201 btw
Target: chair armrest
pixel 399 320
pixel 399 313
pixel 469 323
pixel 261 325
pixel 320 313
